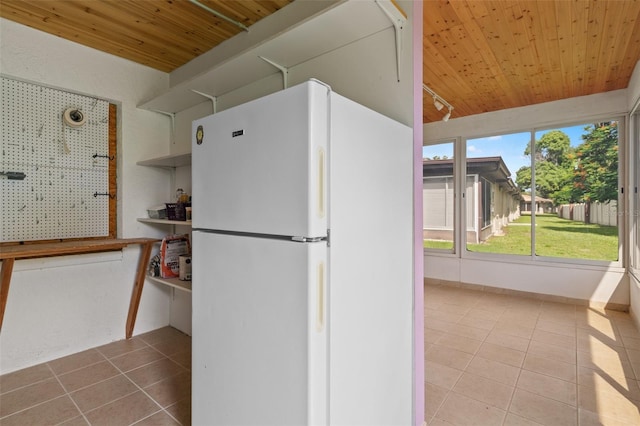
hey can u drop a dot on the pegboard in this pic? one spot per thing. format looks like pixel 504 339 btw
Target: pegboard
pixel 65 167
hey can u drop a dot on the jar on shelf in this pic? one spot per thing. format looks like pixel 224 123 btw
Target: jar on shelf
pixel 182 202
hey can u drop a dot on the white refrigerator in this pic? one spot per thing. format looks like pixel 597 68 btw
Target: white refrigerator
pixel 302 263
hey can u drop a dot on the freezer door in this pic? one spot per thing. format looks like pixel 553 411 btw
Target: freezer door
pixel 259 331
pixel 261 167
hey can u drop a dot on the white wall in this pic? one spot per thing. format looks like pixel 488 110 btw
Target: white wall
pixel 633 89
pixel 632 100
pixel 596 284
pixel 64 305
pixel 59 306
pixel 634 307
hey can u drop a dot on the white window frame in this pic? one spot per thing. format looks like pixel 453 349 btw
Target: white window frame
pixel 633 196
pixel 456 205
pixel 460 168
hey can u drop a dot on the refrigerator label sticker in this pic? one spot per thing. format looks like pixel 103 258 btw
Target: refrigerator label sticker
pixel 237 133
pixel 199 135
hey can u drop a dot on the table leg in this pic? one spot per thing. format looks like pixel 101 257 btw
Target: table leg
pixel 5 274
pixel 136 294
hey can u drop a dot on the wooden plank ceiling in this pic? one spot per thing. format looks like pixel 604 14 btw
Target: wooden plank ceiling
pixel 489 55
pixel 163 34
pixel 479 55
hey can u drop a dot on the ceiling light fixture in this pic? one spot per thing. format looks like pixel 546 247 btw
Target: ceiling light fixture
pixel 447 115
pixel 439 102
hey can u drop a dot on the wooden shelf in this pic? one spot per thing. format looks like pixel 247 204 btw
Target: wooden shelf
pixel 170 161
pixel 63 248
pixel 165 221
pixel 172 282
pixel 349 22
pixel 10 253
pixel 167 161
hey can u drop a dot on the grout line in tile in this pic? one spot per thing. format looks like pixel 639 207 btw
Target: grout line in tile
pixel 124 353
pixel 120 372
pixel 102 405
pixel 515 387
pixel 33 406
pixel 28 384
pixel 153 414
pixel 165 378
pixel 135 384
pixel 118 399
pixel 440 405
pixel 573 324
pixel 161 408
pixel 141 365
pixel 449 391
pixel 68 394
pixel 476 355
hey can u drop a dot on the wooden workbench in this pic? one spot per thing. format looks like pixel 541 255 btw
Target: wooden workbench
pixel 8 254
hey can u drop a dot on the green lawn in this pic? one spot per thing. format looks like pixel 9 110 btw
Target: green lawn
pixel 555 237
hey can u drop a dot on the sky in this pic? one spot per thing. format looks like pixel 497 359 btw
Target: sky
pixel 510 147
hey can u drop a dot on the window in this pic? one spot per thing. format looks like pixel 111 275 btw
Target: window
pixel 438 171
pixel 547 194
pixel 576 190
pixel 495 223
pixel 552 192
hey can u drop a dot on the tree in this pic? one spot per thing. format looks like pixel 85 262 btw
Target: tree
pixel 572 175
pixel 596 171
pixel 552 181
pixel 523 178
pixel 553 146
pixel 553 173
pixel 555 182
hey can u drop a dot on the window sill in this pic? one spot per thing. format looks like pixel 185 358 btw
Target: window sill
pixel 528 261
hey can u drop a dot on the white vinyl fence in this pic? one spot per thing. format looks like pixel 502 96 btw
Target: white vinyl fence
pixel 598 213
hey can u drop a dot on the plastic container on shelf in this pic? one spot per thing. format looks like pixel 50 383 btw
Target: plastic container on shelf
pixel 159 212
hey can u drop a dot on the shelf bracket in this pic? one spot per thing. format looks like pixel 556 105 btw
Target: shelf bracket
pixel 173 123
pixel 283 70
pixel 398 18
pixel 213 99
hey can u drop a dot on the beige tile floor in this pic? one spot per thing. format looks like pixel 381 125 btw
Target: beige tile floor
pixel 490 359
pixel 143 381
pixel 495 359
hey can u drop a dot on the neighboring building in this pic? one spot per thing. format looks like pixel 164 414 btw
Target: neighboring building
pixel 542 205
pixel 492 199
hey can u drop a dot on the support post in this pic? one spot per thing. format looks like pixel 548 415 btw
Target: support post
pixel 136 294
